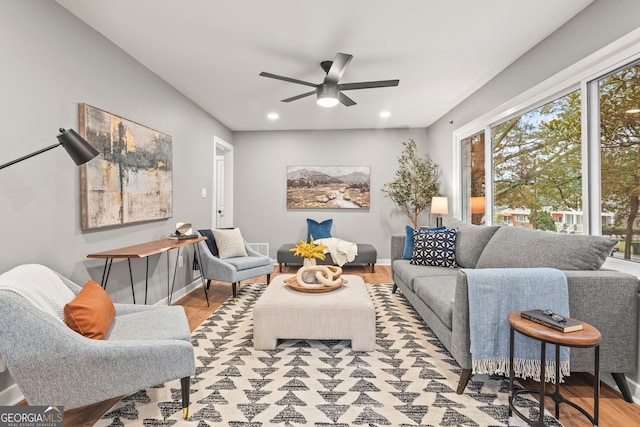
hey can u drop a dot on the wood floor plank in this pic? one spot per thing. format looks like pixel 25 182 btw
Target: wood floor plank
pixel 614 411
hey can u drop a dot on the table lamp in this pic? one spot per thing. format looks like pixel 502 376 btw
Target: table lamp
pixel 439 206
pixel 79 149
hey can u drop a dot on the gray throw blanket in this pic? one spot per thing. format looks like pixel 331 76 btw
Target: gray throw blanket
pixel 493 294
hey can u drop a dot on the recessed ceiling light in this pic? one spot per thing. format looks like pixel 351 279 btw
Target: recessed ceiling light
pixel 273 116
pixel 633 111
pixel 385 114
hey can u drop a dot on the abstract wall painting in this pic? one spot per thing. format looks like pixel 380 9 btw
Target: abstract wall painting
pixel 328 187
pixel 131 180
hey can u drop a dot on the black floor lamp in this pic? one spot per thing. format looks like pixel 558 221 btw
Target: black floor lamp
pixel 79 149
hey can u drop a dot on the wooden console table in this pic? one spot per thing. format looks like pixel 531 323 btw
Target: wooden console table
pixel 145 250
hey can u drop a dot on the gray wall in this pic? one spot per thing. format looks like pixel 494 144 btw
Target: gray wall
pixel 601 23
pixel 51 62
pixel 261 160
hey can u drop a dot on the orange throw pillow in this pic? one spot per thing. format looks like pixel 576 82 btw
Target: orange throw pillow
pixel 91 312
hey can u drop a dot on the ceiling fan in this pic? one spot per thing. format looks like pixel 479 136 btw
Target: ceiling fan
pixel 329 92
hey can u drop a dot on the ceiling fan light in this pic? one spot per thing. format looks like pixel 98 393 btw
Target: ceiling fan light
pixel 328 95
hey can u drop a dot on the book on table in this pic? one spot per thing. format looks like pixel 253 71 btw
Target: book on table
pixel 551 320
pixel 176 236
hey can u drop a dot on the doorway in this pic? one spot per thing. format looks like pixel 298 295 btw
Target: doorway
pixel 222 184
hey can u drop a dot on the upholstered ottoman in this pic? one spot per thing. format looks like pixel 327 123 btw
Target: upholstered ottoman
pixel 367 255
pixel 346 313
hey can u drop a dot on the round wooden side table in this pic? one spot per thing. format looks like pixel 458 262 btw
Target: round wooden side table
pixel 588 337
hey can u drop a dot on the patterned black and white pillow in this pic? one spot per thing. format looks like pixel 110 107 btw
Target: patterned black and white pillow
pixel 435 248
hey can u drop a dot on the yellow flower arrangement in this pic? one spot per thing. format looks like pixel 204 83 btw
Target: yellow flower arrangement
pixel 309 250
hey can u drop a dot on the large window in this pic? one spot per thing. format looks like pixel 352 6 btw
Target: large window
pixel 539 156
pixel 619 115
pixel 562 156
pixel 473 199
pixel 536 164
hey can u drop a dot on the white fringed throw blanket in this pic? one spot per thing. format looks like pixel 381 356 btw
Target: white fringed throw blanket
pixel 493 294
pixel 340 250
pixel 39 285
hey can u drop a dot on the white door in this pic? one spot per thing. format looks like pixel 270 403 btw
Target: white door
pixel 219 209
pixel 222 203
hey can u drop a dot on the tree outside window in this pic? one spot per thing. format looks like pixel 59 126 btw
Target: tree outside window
pixel 537 167
pixel 619 103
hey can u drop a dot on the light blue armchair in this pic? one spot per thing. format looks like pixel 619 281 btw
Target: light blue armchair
pixel 54 365
pixel 232 270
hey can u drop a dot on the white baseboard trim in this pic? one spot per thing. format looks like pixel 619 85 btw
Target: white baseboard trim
pixel 10 396
pixel 182 292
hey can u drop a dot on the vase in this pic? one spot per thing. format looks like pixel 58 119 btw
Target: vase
pixel 309 276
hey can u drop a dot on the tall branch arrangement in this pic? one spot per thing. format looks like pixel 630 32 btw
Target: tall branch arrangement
pixel 416 182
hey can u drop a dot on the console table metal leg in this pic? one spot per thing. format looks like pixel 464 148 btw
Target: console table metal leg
pixel 105 272
pixel 175 270
pixel 133 292
pixel 146 281
pixel 197 252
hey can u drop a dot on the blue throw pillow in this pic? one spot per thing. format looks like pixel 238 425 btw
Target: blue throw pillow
pixel 435 248
pixel 408 240
pixel 319 230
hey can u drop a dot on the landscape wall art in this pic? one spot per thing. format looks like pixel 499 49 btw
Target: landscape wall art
pixel 131 180
pixel 328 187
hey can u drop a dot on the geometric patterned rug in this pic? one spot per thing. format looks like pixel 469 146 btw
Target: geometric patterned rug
pixel 409 380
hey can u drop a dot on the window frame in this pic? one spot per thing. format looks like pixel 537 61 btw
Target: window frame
pixel 579 76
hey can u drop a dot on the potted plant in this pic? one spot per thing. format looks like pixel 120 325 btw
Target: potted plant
pixel 415 183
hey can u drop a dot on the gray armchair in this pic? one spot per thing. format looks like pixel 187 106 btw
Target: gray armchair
pixel 232 270
pixel 54 365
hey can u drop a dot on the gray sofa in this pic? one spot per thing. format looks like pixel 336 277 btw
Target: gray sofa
pixel 606 299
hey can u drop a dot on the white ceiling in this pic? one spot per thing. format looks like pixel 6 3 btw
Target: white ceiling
pixel 213 50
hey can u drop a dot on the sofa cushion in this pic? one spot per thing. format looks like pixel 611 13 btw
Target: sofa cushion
pixel 405 272
pixel 157 322
pixel 434 247
pixel 512 247
pixel 230 242
pixel 408 240
pixel 247 262
pixel 319 230
pixel 470 241
pixel 438 294
pixel 91 312
pixel 211 241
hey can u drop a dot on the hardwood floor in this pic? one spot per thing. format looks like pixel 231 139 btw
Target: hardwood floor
pixel 614 411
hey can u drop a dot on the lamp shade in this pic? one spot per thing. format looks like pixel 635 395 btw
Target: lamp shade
pixel 477 205
pixel 328 95
pixel 79 149
pixel 439 205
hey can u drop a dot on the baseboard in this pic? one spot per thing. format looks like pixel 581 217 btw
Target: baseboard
pixel 634 387
pixel 635 391
pixel 182 292
pixel 10 396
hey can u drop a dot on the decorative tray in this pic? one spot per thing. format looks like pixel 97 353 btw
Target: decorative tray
pixel 293 284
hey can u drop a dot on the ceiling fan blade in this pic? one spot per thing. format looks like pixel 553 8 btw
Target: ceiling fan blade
pixel 287 79
pixel 293 98
pixel 338 68
pixel 345 100
pixel 368 85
